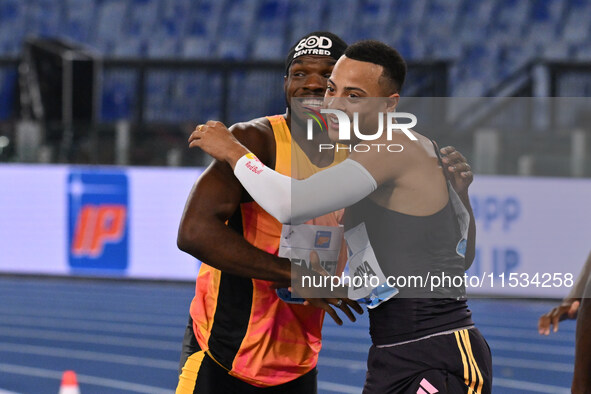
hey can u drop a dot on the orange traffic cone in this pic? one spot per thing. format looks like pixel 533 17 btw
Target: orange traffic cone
pixel 69 383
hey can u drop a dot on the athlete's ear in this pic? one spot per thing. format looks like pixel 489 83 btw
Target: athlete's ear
pixel 392 102
pixel 285 84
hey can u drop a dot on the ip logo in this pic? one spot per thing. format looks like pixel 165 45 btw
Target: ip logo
pixel 322 239
pixel 98 235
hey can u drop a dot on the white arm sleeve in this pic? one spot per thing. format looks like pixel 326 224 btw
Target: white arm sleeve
pixel 293 201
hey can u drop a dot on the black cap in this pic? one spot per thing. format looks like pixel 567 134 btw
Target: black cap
pixel 321 43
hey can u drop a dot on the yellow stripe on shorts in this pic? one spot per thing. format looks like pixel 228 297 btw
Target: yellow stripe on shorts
pixel 188 377
pixel 466 373
pixel 468 345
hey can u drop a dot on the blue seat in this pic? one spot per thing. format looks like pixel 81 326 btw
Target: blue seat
pixel 190 96
pixel 198 96
pixel 109 25
pixel 271 22
pixel 118 98
pixel 235 36
pixel 143 16
pixel 200 31
pixel 303 18
pixel 341 15
pixel 583 52
pixel 163 44
pixel 268 47
pixel 199 47
pixel 374 18
pixel 44 18
pixel 159 88
pixel 79 18
pixel 8 81
pixel 541 10
pixel 130 46
pixel 12 26
pixel 483 37
pixel 262 95
pixel 575 29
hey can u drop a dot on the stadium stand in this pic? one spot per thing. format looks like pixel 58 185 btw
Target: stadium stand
pixel 484 51
pixel 486 43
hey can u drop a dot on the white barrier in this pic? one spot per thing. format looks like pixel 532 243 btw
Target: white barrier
pixel 40 231
pixel 123 221
pixel 529 226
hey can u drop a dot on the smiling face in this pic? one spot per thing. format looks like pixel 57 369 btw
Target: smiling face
pixel 307 77
pixel 349 86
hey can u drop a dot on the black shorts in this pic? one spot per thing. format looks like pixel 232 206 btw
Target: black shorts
pixel 200 374
pixel 456 362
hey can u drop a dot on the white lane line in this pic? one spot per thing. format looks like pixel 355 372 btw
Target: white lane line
pixel 486 321
pixel 159 296
pixel 151 318
pixel 327 344
pixel 88 355
pixel 348 332
pixel 497 361
pixel 345 332
pixel 524 334
pixel 529 386
pixel 91 338
pixel 93 326
pixel 108 296
pixel 95 287
pixel 120 305
pixel 342 363
pixel 532 348
pixel 74 283
pixel 533 364
pixel 513 305
pixel 344 346
pixel 338 388
pixel 7 392
pixel 87 379
pixel 487 331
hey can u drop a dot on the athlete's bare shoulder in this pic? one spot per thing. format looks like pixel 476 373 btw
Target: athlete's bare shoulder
pixel 257 135
pixel 389 159
pixel 257 125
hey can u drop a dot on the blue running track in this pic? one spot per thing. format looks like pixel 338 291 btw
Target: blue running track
pixel 124 337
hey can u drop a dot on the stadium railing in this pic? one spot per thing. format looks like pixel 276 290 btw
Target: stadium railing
pixel 161 100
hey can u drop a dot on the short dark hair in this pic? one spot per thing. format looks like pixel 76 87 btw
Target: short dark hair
pixel 377 52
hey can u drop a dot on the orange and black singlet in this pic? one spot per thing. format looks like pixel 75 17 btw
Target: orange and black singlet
pixel 240 322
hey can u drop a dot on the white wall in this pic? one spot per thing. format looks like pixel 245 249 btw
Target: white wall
pixel 34 236
pixel 525 225
pixel 529 226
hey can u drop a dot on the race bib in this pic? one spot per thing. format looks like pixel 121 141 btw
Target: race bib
pixel 298 241
pixel 364 269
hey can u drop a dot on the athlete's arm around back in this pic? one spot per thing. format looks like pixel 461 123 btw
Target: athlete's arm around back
pixel 318 194
pixel 215 197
